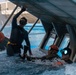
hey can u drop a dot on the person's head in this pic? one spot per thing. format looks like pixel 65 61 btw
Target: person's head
pixel 66 53
pixel 23 21
pixel 53 49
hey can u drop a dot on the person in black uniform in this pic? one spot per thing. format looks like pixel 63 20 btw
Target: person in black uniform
pixel 18 35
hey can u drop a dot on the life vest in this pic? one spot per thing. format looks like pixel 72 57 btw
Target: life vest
pixel 54 47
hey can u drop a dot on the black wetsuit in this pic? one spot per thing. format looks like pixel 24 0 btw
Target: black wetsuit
pixel 18 35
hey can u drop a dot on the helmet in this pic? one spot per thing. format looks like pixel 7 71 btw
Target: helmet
pixel 66 51
pixel 54 47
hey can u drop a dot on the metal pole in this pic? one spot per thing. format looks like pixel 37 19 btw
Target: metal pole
pixel 9 18
pixel 33 25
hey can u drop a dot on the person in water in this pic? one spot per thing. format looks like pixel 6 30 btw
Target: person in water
pixel 52 53
pixel 18 35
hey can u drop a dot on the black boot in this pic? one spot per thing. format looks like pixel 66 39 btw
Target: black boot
pixel 28 58
pixel 22 57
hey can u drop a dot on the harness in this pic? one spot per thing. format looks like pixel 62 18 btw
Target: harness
pixel 14 44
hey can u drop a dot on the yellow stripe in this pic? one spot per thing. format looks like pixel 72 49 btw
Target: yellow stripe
pixel 11 43
pixel 8 42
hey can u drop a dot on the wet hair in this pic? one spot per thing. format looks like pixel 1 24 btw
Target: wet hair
pixel 23 21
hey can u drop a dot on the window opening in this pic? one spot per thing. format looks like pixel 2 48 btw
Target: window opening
pixel 50 40
pixel 36 35
pixel 64 44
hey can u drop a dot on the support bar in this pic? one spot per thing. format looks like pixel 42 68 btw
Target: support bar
pixel 33 25
pixel 8 18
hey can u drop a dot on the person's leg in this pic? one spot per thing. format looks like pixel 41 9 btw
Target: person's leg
pixel 24 53
pixel 16 49
pixel 10 51
pixel 25 49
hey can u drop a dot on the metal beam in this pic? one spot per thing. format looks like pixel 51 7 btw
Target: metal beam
pixel 33 25
pixel 8 19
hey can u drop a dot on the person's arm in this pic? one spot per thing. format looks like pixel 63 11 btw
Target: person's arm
pixel 14 21
pixel 28 43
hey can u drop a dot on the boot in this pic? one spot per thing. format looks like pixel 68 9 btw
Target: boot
pixel 23 56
